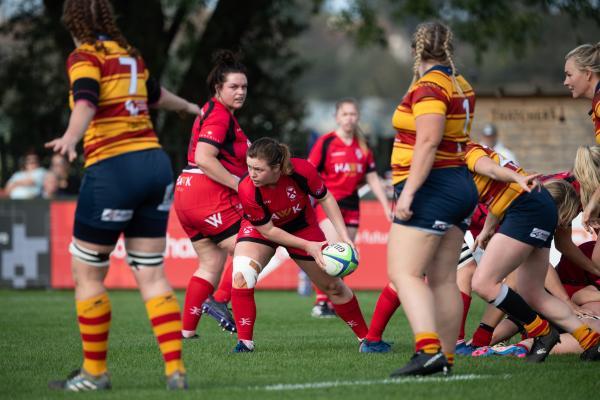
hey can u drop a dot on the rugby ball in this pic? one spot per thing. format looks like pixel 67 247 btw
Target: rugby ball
pixel 340 259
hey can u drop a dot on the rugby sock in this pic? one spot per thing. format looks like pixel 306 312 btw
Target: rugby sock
pixel 244 311
pixel 164 314
pixel 351 314
pixel 466 305
pixel 586 336
pixel 482 335
pixel 511 303
pixel 223 292
pixel 539 327
pixel 450 358
pixel 321 296
pixel 428 342
pixel 387 304
pixel 197 292
pixel 94 317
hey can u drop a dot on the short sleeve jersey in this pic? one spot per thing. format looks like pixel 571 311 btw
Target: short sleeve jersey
pixel 120 88
pixel 495 195
pixel 342 167
pixel 287 203
pixel 565 176
pixel 433 93
pixel 218 127
pixel 596 113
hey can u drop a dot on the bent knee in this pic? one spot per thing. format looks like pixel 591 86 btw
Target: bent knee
pixel 245 272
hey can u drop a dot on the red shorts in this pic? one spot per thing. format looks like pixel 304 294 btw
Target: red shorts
pixel 205 208
pixel 351 217
pixel 249 233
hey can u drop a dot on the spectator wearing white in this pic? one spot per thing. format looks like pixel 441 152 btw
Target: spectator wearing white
pixel 489 138
pixel 26 183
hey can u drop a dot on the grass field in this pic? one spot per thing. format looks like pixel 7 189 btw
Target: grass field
pixel 296 357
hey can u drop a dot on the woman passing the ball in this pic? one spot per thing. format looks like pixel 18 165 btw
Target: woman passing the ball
pixel 345 162
pixel 277 212
pixel 436 196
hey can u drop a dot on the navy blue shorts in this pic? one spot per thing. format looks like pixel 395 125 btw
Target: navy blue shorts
pixel 531 219
pixel 447 198
pixel 130 194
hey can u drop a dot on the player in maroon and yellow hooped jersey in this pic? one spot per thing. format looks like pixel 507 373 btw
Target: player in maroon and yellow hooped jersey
pixel 529 220
pixel 582 77
pixel 277 212
pixel 436 196
pixel 206 199
pixel 111 91
pixel 344 161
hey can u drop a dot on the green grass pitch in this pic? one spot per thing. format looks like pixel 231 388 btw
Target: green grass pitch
pixel 296 357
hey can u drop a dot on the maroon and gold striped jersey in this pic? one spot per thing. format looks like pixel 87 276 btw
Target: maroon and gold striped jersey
pixel 120 88
pixel 596 113
pixel 433 93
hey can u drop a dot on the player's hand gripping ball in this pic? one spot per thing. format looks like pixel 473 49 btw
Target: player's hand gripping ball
pixel 340 259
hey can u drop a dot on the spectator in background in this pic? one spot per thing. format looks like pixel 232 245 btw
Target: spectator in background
pixel 27 182
pixel 68 183
pixel 489 138
pixel 50 186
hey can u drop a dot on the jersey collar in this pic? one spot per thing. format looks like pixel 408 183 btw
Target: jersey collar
pixel 441 68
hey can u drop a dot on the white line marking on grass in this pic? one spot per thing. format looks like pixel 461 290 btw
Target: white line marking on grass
pixel 399 381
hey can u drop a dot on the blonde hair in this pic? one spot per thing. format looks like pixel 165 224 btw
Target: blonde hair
pixel 587 171
pixel 433 41
pixel 358 134
pixel 273 153
pixel 566 199
pixel 586 57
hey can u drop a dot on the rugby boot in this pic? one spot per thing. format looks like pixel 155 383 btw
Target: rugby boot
pixel 422 364
pixel 177 381
pixel 542 346
pixel 322 310
pixel 464 349
pixel 81 381
pixel 367 346
pixel 591 354
pixel 241 347
pixel 219 312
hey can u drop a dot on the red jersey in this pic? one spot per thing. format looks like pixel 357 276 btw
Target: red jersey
pixel 596 113
pixel 342 167
pixel 565 176
pixel 218 126
pixel 286 203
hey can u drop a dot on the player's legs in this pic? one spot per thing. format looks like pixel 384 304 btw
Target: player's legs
pixel 211 259
pixel 344 302
pixel 248 260
pixel 441 277
pixel 464 274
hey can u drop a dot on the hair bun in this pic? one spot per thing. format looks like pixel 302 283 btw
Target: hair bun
pixel 225 57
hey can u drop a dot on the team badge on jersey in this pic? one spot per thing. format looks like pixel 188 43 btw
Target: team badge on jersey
pixel 247 230
pixel 291 193
pixel 359 154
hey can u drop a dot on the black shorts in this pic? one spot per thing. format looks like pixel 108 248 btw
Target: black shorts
pixel 130 194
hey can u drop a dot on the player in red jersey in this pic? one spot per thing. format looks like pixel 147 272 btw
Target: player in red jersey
pixel 276 200
pixel 344 161
pixel 110 93
pixel 206 199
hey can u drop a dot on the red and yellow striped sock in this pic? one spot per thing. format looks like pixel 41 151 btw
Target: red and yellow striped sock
pixel 450 358
pixel 94 323
pixel 539 327
pixel 428 342
pixel 586 336
pixel 163 312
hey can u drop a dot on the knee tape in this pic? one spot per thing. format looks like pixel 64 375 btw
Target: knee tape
pixel 88 256
pixel 248 268
pixel 138 259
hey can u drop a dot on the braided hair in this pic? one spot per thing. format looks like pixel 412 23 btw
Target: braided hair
pixel 87 19
pixel 433 41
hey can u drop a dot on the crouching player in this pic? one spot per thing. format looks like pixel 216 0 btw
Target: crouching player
pixel 277 211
